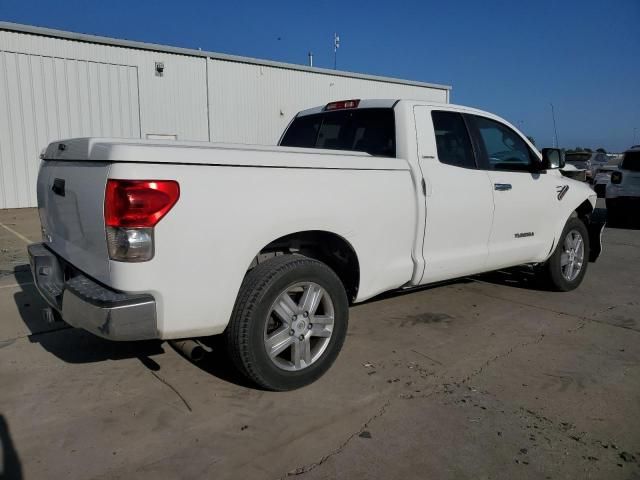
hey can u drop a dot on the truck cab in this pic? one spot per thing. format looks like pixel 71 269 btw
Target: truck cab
pixel 485 198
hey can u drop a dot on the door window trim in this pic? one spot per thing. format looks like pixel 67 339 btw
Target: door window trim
pixel 483 158
pixel 474 150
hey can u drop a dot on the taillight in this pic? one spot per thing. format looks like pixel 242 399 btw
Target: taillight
pixel 616 177
pixel 131 209
pixel 341 105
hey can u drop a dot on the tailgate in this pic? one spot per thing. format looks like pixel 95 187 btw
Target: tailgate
pixel 71 209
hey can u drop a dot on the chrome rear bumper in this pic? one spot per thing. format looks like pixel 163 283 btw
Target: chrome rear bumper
pixel 86 304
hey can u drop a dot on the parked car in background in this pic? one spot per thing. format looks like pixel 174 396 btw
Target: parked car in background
pixel 602 176
pixel 623 191
pixel 571 171
pixel 588 161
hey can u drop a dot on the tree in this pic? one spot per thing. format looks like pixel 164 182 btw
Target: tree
pixel 533 142
pixel 601 150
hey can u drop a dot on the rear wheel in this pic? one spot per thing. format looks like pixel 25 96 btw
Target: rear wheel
pixel 289 322
pixel 567 266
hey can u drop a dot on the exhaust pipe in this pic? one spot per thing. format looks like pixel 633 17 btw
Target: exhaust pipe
pixel 47 315
pixel 192 349
pixel 50 316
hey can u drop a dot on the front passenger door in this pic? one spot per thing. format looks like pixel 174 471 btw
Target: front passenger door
pixel 524 199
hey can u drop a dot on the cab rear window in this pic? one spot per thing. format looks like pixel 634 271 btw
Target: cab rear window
pixel 370 130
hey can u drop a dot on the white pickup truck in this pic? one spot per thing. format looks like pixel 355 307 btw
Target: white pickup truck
pixel 270 245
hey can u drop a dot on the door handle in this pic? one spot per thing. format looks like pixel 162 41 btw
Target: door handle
pixel 502 187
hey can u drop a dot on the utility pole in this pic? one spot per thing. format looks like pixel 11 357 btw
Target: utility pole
pixel 555 130
pixel 635 129
pixel 336 45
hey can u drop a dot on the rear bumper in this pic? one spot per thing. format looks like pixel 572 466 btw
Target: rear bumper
pixel 86 304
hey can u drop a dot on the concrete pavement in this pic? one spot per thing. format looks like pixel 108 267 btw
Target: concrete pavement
pixel 482 378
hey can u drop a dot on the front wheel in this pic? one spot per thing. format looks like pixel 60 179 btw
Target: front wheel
pixel 289 322
pixel 566 267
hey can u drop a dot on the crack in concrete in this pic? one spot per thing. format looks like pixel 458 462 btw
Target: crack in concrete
pixel 438 389
pixel 184 400
pixel 565 430
pixel 500 356
pixel 551 310
pixel 311 466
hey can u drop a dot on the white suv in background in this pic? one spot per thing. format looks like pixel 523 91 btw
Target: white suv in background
pixel 623 192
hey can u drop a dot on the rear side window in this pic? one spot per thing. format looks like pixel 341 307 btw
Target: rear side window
pixel 370 130
pixel 302 132
pixel 452 139
pixel 631 161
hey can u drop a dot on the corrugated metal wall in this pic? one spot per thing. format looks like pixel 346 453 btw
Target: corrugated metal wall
pixel 44 98
pixel 52 88
pixel 254 103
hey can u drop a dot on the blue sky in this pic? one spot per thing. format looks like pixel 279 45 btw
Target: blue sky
pixel 509 57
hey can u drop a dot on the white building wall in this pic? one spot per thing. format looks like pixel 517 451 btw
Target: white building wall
pixel 52 88
pixel 44 98
pixel 254 103
pixel 175 103
pixel 67 85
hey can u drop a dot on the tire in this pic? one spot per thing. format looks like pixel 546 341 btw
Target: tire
pixel 258 324
pixel 556 269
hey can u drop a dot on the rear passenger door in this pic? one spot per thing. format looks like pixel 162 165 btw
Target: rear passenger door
pixel 525 200
pixel 459 202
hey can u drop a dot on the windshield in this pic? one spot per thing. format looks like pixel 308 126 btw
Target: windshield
pixel 370 130
pixel 631 161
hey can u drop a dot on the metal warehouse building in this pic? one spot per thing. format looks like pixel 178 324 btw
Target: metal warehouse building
pixel 56 84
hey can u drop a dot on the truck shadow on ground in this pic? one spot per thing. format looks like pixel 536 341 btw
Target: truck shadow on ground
pixel 10 465
pixel 71 345
pixel 218 363
pixel 74 345
pixel 518 277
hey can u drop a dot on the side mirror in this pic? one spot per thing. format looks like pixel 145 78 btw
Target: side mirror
pixel 552 158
